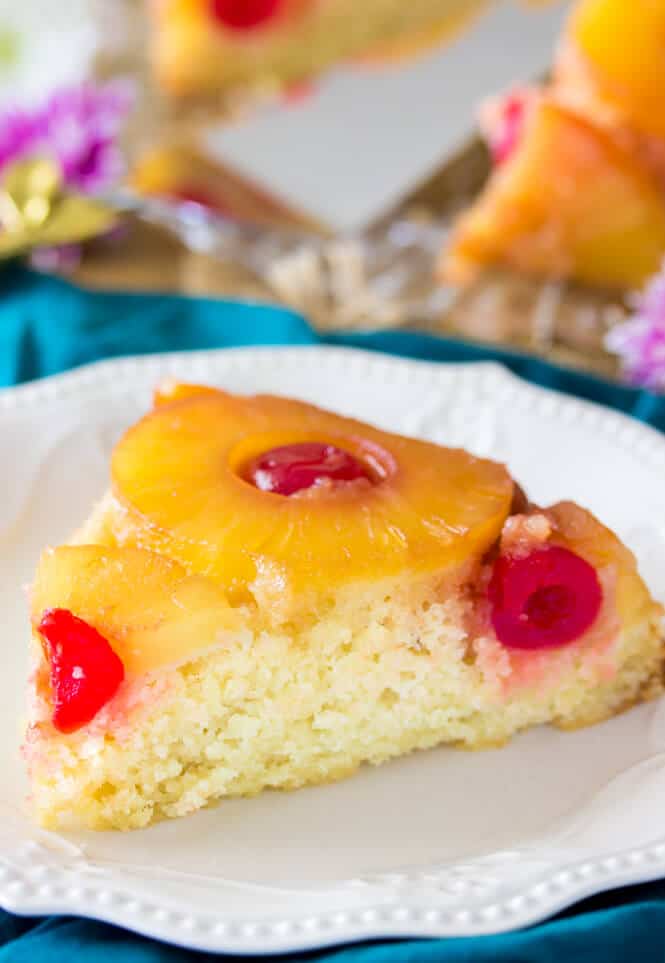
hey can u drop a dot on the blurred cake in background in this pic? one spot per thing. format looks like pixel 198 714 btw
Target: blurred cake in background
pixel 578 189
pixel 394 110
pixel 212 48
pixel 210 60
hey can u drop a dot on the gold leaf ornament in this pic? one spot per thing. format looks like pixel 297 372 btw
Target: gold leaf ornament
pixel 37 211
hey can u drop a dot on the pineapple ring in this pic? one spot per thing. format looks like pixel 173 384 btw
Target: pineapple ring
pixel 569 202
pixel 177 474
pixel 623 48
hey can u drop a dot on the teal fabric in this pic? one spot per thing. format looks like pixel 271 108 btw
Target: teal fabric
pixel 47 326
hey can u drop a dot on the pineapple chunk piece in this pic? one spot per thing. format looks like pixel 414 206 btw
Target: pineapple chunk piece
pixel 150 610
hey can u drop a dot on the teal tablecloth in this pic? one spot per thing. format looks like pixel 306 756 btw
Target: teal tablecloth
pixel 47 326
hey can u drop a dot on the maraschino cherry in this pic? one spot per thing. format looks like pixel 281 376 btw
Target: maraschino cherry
pixel 293 468
pixel 543 600
pixel 506 131
pixel 85 671
pixel 245 14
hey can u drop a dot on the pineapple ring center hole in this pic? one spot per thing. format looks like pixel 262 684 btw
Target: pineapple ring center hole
pixel 284 463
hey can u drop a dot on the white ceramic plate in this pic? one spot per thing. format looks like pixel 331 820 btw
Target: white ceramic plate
pixel 439 843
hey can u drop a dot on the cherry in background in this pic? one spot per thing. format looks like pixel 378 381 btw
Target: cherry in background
pixel 245 14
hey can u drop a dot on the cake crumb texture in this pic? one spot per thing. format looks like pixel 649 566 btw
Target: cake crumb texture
pixel 386 671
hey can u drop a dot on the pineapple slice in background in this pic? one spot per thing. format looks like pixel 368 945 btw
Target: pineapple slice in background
pixel 569 202
pixel 578 192
pixel 613 59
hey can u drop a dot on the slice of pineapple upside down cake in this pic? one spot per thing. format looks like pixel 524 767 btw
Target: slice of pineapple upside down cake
pixel 271 595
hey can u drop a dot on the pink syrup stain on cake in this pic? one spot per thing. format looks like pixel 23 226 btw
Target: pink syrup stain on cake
pixel 134 699
pixel 118 718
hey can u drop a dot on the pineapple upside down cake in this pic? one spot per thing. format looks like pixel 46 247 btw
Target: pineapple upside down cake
pixel 206 49
pixel 271 595
pixel 578 187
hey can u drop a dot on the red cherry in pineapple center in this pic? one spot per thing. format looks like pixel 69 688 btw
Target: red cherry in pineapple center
pixel 294 468
pixel 245 14
pixel 544 600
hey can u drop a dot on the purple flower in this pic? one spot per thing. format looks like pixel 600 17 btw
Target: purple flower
pixel 640 341
pixel 18 132
pixel 652 303
pixel 78 127
pixel 81 127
